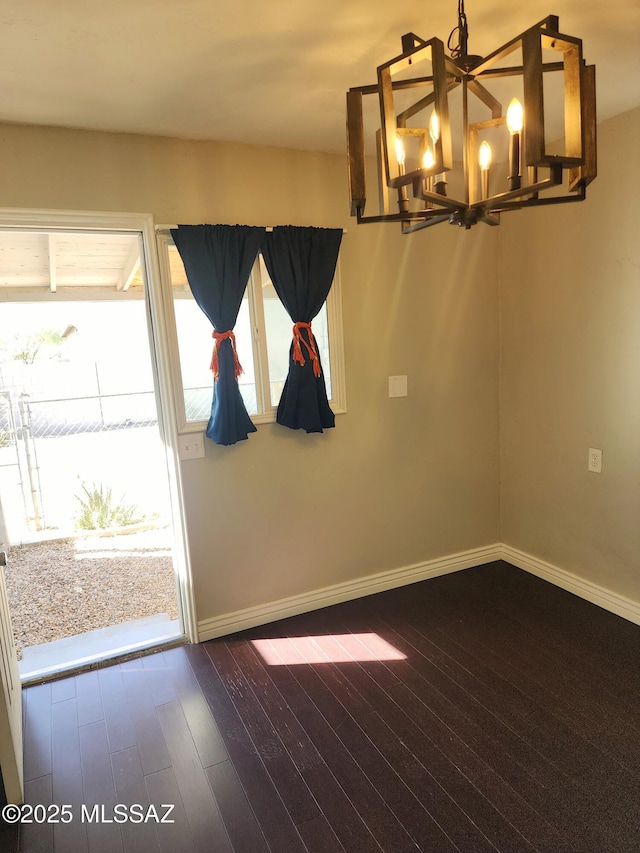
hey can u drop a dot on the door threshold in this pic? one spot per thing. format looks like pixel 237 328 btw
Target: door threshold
pixel 94 648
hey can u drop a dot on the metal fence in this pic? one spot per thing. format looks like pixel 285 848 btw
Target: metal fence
pixel 197 403
pixel 29 452
pixel 46 418
pixel 31 475
pixel 7 422
pixel 12 461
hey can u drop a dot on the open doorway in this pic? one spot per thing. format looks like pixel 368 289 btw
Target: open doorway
pixel 84 483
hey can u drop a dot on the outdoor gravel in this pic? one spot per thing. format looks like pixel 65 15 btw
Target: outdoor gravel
pixel 69 587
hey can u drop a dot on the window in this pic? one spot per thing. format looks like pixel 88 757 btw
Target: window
pixel 263 336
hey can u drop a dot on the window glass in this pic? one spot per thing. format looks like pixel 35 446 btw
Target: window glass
pixel 195 346
pixel 279 330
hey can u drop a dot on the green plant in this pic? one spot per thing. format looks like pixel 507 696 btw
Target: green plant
pixel 26 348
pixel 98 512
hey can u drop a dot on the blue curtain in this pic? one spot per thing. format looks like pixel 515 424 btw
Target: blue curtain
pixel 302 263
pixel 218 261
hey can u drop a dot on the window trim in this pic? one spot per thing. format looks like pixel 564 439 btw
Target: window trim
pixel 259 343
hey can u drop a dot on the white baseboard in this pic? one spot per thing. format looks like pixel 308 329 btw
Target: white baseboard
pixel 596 594
pixel 261 614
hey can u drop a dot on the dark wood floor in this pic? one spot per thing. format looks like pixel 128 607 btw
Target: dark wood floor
pixel 481 711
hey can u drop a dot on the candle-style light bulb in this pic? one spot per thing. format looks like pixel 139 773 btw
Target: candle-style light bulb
pixel 515 116
pixel 484 156
pixel 400 155
pixel 434 127
pixel 515 122
pixel 403 200
pixel 484 159
pixel 428 162
pixel 440 181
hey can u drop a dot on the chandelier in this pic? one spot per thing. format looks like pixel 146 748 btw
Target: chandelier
pixel 447 150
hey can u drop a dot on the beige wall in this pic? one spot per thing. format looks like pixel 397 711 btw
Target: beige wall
pixel 402 481
pixel 570 320
pixel 398 481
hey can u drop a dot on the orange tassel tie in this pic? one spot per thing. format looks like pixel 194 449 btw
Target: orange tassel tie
pixel 218 337
pixel 311 347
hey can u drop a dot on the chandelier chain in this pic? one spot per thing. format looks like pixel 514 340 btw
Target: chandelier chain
pixel 461 32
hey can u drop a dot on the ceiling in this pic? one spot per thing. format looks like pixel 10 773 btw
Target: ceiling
pixel 270 73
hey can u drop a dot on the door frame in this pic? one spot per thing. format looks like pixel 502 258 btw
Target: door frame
pixel 11 743
pixel 141 224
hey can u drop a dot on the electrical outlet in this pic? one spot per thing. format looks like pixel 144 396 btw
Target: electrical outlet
pixel 398 386
pixel 191 445
pixel 595 460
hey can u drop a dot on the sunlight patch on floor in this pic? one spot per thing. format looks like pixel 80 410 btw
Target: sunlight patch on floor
pixel 326 648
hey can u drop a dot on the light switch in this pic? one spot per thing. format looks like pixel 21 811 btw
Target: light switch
pixel 398 386
pixel 191 445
